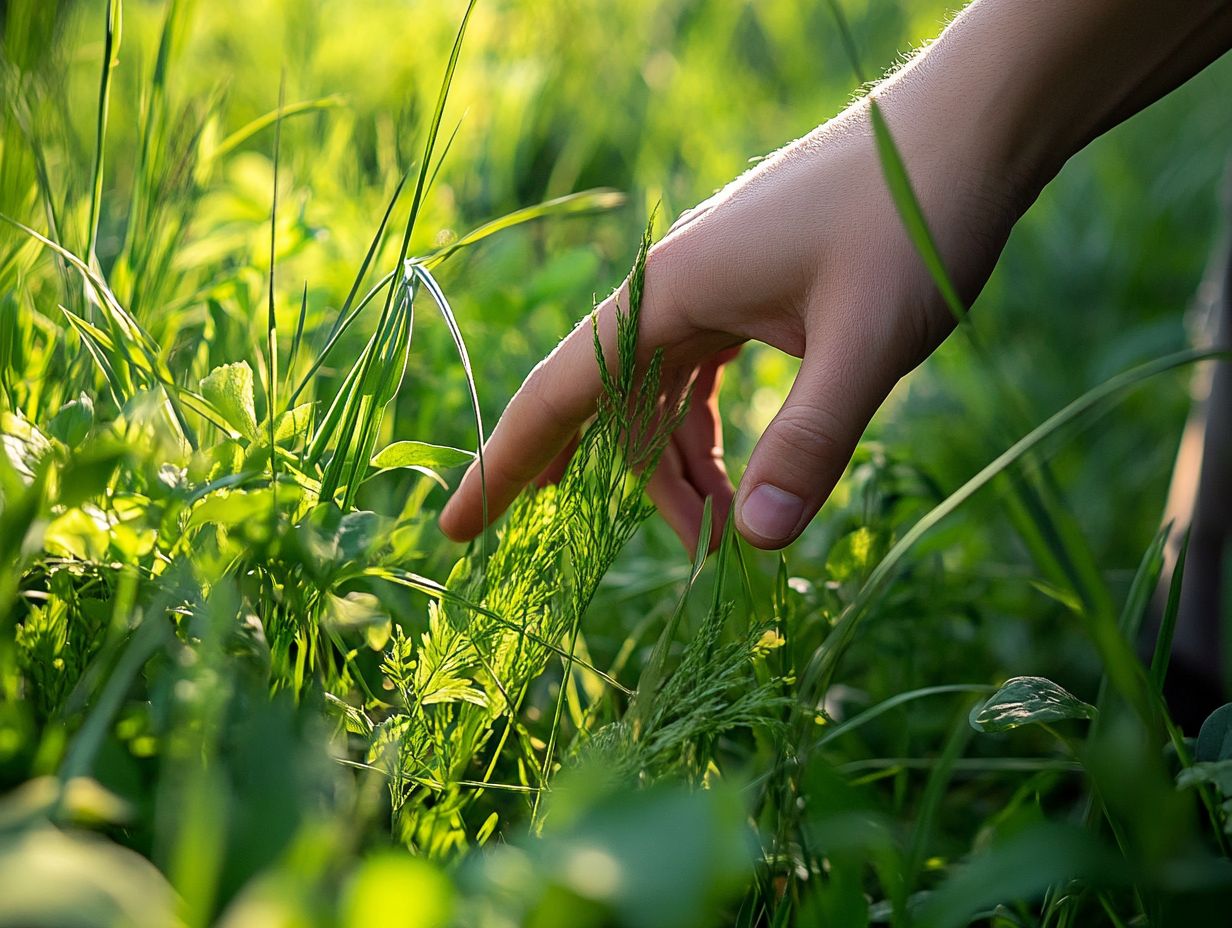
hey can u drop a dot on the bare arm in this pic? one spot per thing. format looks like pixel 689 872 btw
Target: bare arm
pixel 806 252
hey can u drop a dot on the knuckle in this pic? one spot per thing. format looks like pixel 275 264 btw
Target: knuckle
pixel 544 403
pixel 671 312
pixel 811 434
pixel 503 470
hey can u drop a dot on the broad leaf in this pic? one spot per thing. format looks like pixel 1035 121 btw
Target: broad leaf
pixel 23 444
pixel 1215 736
pixel 1218 773
pixel 420 454
pixel 73 422
pixel 1028 700
pixel 229 390
pixel 294 423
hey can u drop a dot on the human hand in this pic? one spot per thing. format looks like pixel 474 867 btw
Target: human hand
pixel 807 253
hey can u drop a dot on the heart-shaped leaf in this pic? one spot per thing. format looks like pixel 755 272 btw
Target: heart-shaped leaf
pixel 420 454
pixel 1027 700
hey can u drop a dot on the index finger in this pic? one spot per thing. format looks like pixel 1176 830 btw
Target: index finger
pixel 556 398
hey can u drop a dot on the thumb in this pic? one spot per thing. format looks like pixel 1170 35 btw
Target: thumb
pixel 804 450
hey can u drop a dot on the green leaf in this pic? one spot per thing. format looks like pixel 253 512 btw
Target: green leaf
pixel 854 555
pixel 294 423
pixel 78 534
pixel 420 454
pixel 24 445
pixel 73 422
pixel 229 390
pixel 453 689
pixel 87 472
pixel 1218 773
pixel 1028 700
pixel 229 507
pixel 1215 736
pixel 573 204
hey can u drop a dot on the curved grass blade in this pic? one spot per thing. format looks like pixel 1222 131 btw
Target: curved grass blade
pixel 418 271
pixel 894 702
pixel 247 131
pixel 582 203
pixel 359 414
pixel 346 315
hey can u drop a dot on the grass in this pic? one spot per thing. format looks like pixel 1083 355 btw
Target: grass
pixel 244 679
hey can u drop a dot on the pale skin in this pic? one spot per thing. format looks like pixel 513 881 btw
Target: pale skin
pixel 807 253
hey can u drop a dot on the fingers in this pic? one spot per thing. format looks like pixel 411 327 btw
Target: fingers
pixel 557 466
pixel 545 413
pixel 700 440
pixel 804 450
pixel 677 500
pixel 691 467
pixel 551 405
pixel 690 470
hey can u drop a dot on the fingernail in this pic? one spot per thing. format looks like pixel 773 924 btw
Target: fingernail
pixel 771 513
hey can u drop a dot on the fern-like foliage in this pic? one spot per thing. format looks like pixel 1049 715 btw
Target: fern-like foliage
pixel 462 688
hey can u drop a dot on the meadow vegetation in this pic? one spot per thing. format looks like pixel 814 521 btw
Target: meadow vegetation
pixel 269 269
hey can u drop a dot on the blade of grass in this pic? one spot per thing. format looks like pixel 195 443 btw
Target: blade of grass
pixel 575 204
pixel 102 349
pixel 125 328
pixel 1167 627
pixel 930 801
pixel 297 337
pixel 346 315
pixel 247 131
pixel 271 318
pixel 355 408
pixel 656 667
pixel 111 51
pixel 455 331
pixel 894 702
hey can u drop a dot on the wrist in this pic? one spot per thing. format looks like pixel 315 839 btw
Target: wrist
pixel 1013 88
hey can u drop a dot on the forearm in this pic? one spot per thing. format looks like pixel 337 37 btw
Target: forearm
pixel 1025 84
